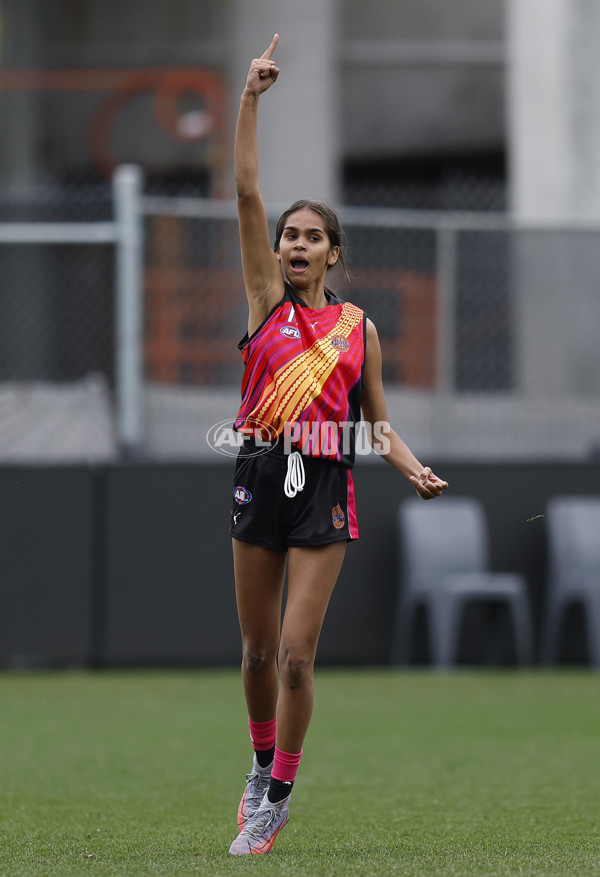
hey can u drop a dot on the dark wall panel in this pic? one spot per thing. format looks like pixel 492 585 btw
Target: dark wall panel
pixel 46 569
pixel 510 493
pixel 132 564
pixel 169 577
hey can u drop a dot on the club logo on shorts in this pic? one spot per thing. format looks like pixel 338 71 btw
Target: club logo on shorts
pixel 241 495
pixel 290 331
pixel 340 343
pixel 338 517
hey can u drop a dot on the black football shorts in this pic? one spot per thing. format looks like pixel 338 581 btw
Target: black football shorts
pixel 324 511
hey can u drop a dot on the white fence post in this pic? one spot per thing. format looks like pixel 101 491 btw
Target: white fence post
pixel 127 193
pixel 445 328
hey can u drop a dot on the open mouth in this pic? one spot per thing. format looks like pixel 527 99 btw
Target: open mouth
pixel 299 265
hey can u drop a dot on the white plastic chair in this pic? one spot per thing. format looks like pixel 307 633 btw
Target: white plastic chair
pixel 444 563
pixel 573 528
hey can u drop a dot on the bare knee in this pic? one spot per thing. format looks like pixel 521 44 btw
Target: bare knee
pixel 295 669
pixel 255 658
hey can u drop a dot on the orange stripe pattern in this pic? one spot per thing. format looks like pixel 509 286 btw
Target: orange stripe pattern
pixel 299 382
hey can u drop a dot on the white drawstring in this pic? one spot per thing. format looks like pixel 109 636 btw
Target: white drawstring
pixel 294 479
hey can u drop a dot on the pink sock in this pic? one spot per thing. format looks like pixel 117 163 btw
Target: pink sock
pixel 285 765
pixel 262 734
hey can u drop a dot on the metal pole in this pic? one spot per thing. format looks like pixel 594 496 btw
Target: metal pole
pixel 445 339
pixel 445 328
pixel 127 193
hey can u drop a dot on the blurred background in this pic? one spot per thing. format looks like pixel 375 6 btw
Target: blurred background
pixel 460 142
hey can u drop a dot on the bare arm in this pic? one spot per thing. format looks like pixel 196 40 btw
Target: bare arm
pixel 262 273
pixel 397 453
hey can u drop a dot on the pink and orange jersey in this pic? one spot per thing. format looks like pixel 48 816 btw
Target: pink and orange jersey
pixel 303 377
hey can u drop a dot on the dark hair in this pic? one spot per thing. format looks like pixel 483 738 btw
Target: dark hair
pixel 333 227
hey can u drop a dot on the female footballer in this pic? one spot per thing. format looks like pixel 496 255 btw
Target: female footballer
pixel 312 362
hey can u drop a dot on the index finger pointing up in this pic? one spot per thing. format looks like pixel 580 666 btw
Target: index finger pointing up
pixel 269 52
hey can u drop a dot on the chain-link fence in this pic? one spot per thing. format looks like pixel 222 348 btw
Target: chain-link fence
pixel 488 331
pixel 56 323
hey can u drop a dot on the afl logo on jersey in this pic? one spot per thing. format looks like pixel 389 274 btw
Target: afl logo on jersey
pixel 340 343
pixel 290 331
pixel 241 495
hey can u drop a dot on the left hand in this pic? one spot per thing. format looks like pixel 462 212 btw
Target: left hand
pixel 428 485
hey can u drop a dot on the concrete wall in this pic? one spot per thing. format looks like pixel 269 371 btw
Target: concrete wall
pixel 383 78
pixel 424 76
pixel 554 126
pixel 554 140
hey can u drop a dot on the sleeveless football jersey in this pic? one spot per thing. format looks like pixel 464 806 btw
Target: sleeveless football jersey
pixel 303 377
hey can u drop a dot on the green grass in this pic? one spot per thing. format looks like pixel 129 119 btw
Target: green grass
pixel 404 773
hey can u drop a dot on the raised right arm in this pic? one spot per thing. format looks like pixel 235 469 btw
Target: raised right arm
pixel 262 273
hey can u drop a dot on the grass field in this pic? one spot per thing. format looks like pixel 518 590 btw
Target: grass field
pixel 404 773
